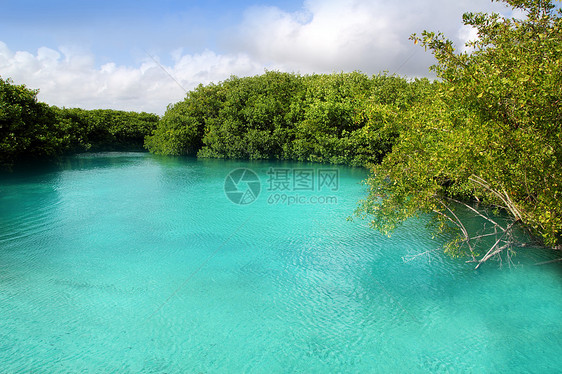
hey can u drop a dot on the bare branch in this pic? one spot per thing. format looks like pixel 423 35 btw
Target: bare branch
pixel 478 213
pixel 489 255
pixel 548 262
pixel 413 257
pixel 460 225
pixel 484 236
pixel 491 252
pixel 509 205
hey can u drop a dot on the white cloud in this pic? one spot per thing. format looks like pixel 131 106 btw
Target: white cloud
pixel 467 34
pixel 70 80
pixel 367 35
pixel 325 36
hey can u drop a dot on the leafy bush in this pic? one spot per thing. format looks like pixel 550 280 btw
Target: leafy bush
pixel 320 118
pixel 490 133
pixel 31 130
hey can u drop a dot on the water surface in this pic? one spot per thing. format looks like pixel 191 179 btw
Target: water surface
pixel 129 262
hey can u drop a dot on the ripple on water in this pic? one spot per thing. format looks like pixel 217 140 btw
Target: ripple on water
pixel 135 263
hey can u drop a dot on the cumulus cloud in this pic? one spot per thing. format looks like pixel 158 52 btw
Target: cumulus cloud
pixel 324 36
pixel 70 80
pixel 343 35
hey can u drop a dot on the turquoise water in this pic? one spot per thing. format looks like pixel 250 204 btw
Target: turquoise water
pixel 128 262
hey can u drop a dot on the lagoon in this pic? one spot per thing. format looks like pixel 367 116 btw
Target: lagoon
pixel 131 262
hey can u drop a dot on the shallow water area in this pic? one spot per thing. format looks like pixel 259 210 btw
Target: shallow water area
pixel 130 262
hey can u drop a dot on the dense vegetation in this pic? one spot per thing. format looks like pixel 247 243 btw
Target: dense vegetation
pixel 30 129
pixel 339 118
pixel 487 134
pixel 491 133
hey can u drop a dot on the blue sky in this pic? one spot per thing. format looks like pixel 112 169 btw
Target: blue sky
pixel 101 54
pixel 117 30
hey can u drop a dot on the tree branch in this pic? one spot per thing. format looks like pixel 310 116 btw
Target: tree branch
pixel 491 252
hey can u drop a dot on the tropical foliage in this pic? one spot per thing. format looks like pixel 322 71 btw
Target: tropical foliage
pixel 340 118
pixel 106 129
pixel 491 133
pixel 30 129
